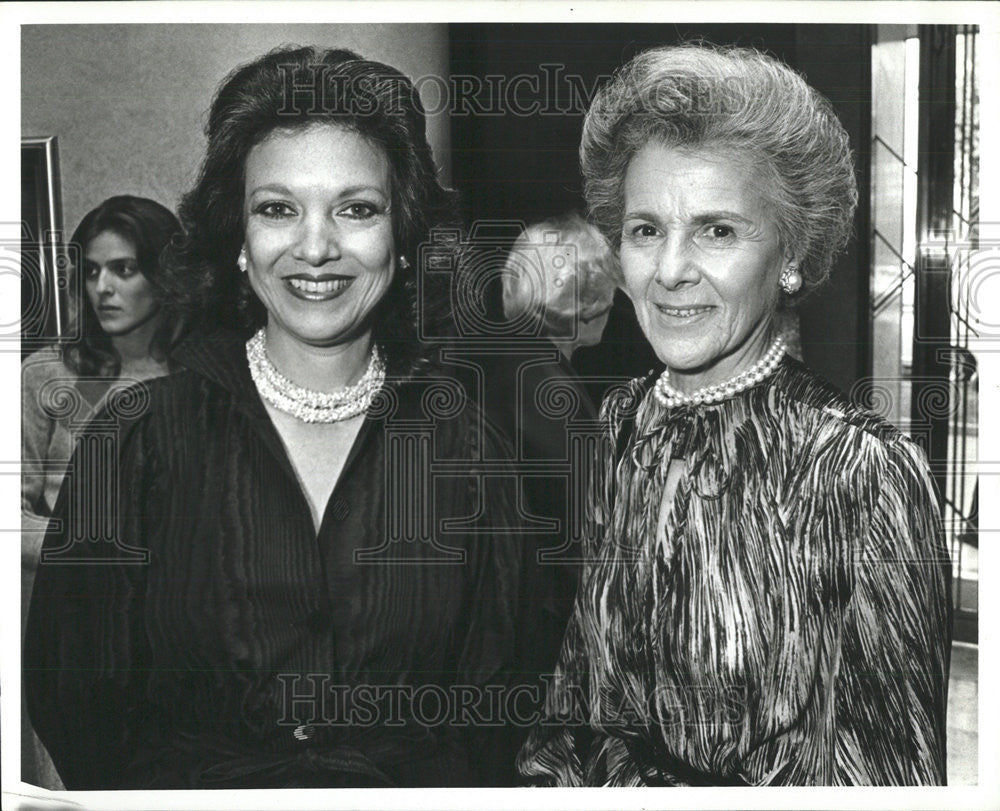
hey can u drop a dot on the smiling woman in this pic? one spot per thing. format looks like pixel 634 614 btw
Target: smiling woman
pixel 319 255
pixel 701 259
pixel 319 245
pixel 310 579
pixel 766 598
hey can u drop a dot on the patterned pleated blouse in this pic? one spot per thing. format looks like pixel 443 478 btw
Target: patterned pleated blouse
pixel 792 625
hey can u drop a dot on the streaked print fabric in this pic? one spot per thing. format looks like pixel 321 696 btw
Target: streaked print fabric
pixel 792 629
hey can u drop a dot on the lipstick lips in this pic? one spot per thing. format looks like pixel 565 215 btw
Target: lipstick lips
pixel 318 277
pixel 322 287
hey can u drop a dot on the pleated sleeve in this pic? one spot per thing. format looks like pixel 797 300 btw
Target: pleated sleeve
pixel 891 691
pixel 873 659
pixel 560 746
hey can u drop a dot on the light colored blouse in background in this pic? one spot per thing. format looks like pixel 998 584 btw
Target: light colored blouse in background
pixel 53 402
pixel 56 404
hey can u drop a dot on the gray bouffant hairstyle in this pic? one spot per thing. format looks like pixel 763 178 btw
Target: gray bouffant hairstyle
pixel 704 96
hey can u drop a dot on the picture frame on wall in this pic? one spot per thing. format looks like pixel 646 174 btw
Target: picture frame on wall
pixel 44 258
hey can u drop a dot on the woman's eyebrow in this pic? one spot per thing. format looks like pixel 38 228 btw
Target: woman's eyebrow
pixel 350 191
pixel 641 214
pixel 722 214
pixel 271 188
pixel 347 191
pixel 699 217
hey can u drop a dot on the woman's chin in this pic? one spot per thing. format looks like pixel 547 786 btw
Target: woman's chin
pixel 309 324
pixel 687 368
pixel 328 340
pixel 685 359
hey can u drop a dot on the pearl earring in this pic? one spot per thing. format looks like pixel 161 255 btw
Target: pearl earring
pixel 241 260
pixel 791 280
pixel 404 263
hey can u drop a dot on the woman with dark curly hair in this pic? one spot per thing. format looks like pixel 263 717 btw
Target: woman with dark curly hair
pixel 328 584
pixel 766 601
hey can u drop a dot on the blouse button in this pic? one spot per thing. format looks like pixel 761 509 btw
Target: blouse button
pixel 303 732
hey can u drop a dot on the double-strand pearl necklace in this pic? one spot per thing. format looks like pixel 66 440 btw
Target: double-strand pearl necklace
pixel 669 397
pixel 308 405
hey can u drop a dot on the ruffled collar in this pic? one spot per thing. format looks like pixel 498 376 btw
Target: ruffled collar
pixel 703 436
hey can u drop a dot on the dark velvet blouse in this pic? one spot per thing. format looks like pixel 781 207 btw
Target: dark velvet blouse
pixel 190 629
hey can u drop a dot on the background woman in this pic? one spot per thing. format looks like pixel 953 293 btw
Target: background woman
pixel 124 328
pixel 122 334
pixel 767 601
pixel 315 611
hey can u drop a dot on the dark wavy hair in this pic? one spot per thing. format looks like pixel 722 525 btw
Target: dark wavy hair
pixel 291 88
pixel 148 227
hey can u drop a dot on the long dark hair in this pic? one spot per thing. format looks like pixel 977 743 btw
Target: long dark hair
pixel 148 227
pixel 290 88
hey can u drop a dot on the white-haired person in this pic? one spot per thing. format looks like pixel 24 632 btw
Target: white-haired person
pixel 560 281
pixel 562 273
pixel 766 597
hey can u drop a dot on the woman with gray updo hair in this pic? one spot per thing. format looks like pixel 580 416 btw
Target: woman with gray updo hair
pixel 766 597
pixel 740 101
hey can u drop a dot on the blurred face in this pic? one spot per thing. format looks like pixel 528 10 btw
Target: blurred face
pixel 319 236
pixel 577 291
pixel 701 259
pixel 121 296
pixel 596 296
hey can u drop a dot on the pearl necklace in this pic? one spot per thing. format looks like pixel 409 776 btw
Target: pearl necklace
pixel 308 405
pixel 669 397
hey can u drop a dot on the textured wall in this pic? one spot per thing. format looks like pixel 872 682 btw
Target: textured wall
pixel 128 102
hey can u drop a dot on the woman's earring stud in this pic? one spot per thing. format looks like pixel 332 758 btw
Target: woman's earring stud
pixel 241 260
pixel 404 263
pixel 791 280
